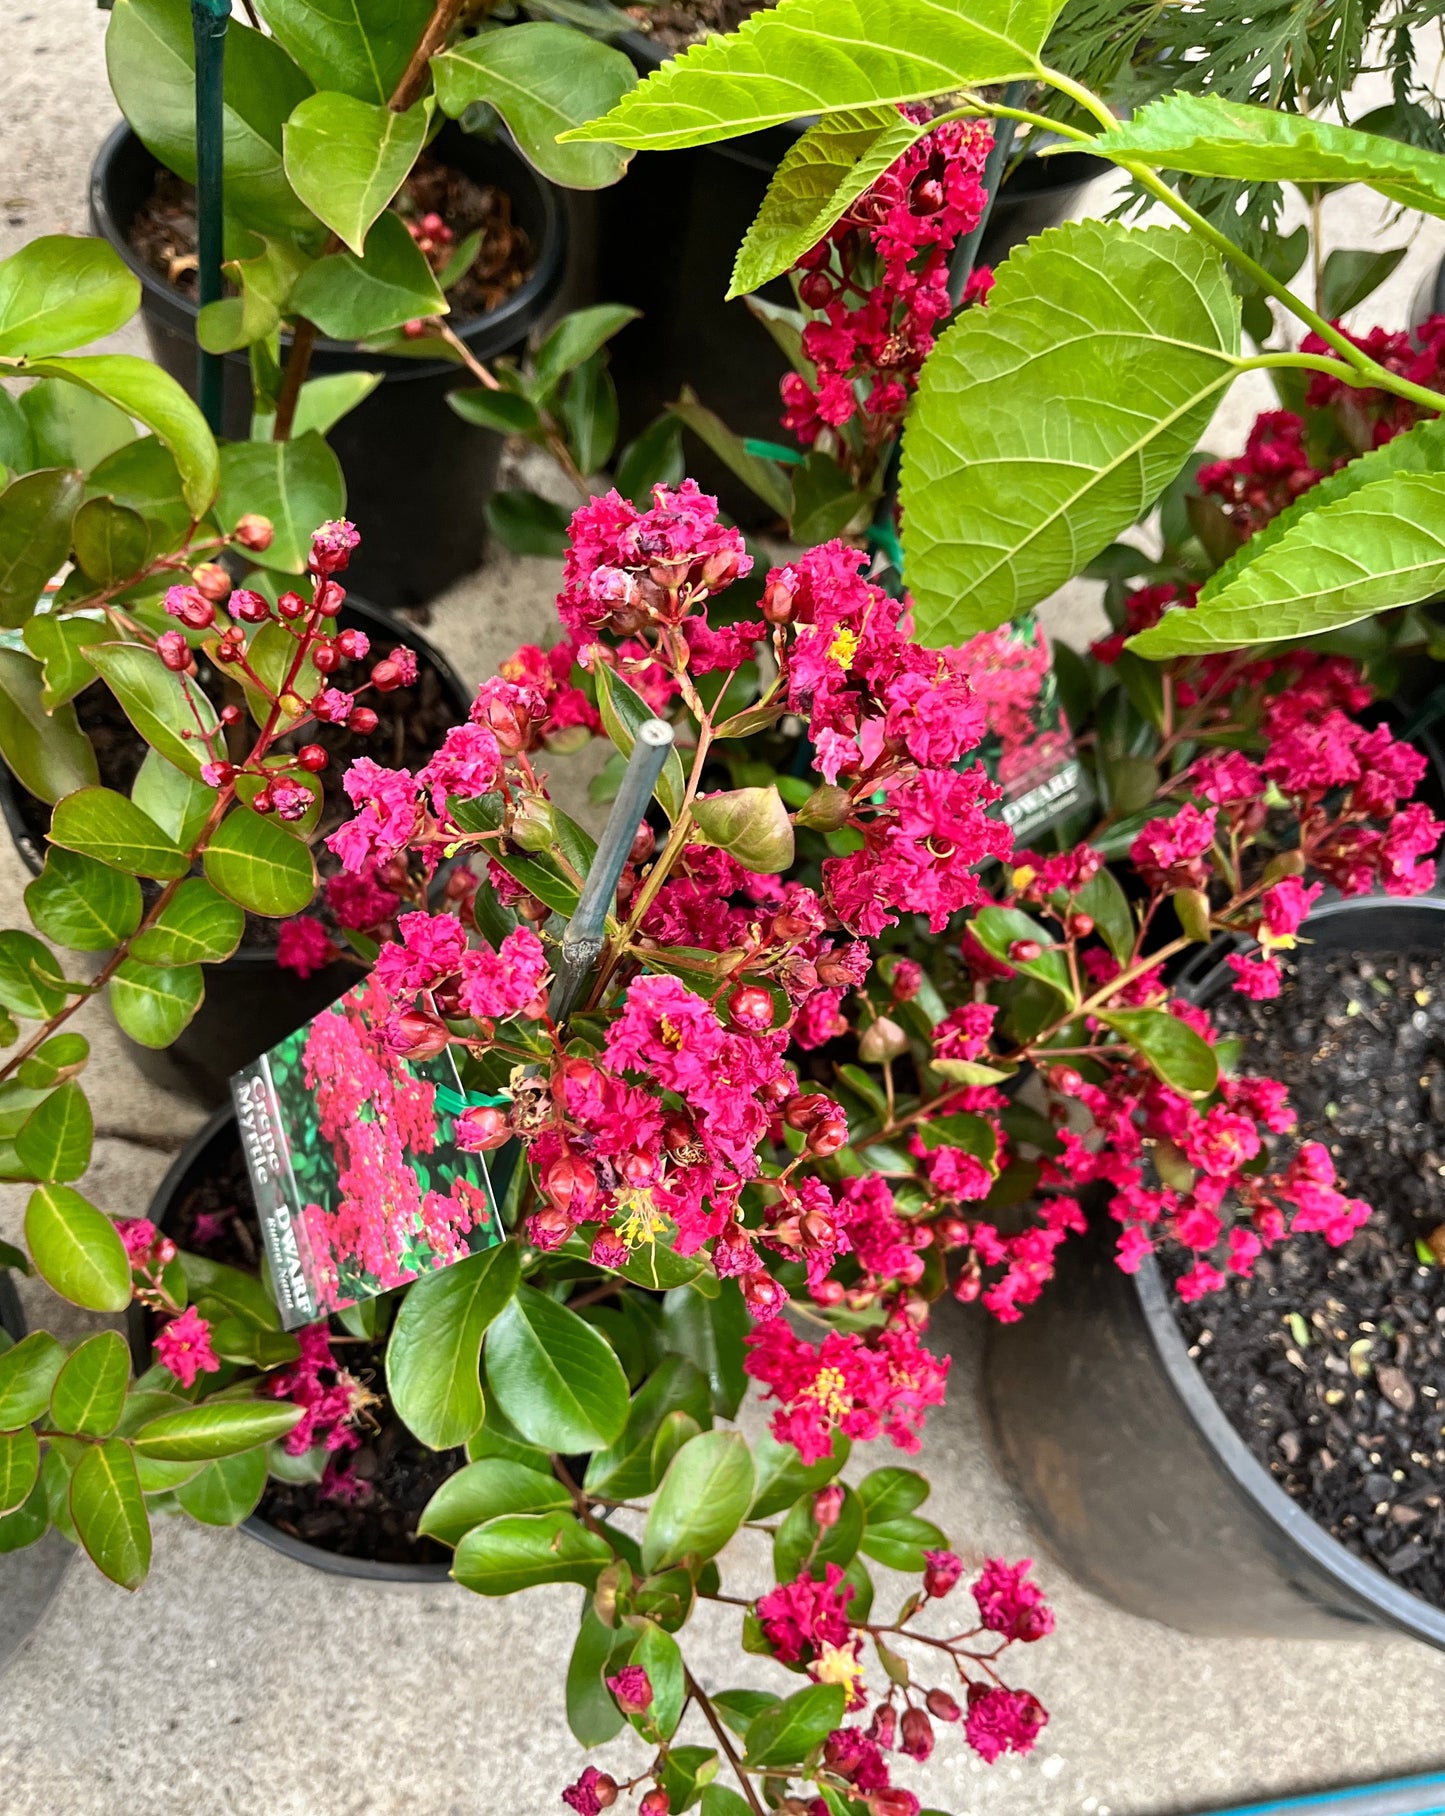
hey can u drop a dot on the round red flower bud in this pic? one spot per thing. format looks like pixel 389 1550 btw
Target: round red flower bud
pixel 417 1035
pixel 638 1169
pixel 231 715
pixel 941 1704
pixel 916 1737
pixel 290 605
pixel 817 290
pixel 777 603
pixel 828 1292
pixel 893 1800
pixel 249 607
pixel 720 569
pixel 386 677
pixel 329 598
pixel 604 1789
pixel 227 652
pixel 884 1726
pixel 571 1184
pixel 926 196
pixel 197 612
pixel 803 1111
pixel 263 801
pixel 325 657
pixel 655 1803
pixel 353 644
pixel 751 1007
pixel 1024 952
pixel 254 531
pixel 312 757
pixel 834 972
pixel 761 1294
pixel 482 1129
pixel 393 876
pixel 828 1505
pixel 952 1232
pixel 174 651
pixel 827 1136
pixel 211 580
pixel 1065 1079
pixel 1082 925
pixel 224 774
pixel 362 720
pixel 644 843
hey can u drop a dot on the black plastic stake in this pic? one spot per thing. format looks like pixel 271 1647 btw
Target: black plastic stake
pixel 965 254
pixel 209 19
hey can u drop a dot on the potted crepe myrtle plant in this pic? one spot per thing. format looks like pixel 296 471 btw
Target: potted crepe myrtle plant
pixel 353 210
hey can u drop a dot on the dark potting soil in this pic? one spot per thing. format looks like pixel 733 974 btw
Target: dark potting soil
pixel 1330 1363
pixel 163 232
pixel 411 724
pixel 675 24
pixel 401 1474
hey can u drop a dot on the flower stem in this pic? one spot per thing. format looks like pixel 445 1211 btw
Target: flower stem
pixel 700 1697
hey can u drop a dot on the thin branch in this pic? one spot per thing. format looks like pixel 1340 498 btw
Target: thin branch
pixel 695 1690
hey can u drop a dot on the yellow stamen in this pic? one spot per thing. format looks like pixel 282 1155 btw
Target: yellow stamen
pixel 844 647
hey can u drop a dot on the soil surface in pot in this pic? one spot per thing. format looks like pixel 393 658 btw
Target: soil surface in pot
pixel 411 724
pixel 1330 1363
pixel 399 1475
pixel 675 24
pixel 163 233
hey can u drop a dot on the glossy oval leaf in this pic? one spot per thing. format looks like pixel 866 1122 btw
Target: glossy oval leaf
pixel 89 1393
pixel 783 1476
pixel 53 1061
pixel 554 1376
pixel 60 291
pixel 360 46
pixel 296 483
pixel 218 1428
pixel 822 56
pixel 30 984
pixel 433 1358
pixel 109 1512
pixel 179 804
pixel 45 750
pixel 55 1141
pixel 154 1003
pixel 168 710
pixel 111 541
pixel 703 1499
pixel 1048 422
pixel 259 865
pixel 197 926
pixel 351 298
pixel 625 1470
pixel 76 1249
pixel 902 1542
pixel 347 158
pixel 1181 1057
pixel 19 1467
pixel 36 512
pixel 227 1491
pixel 27 1374
pixel 524 1550
pixel 55 642
pixel 101 824
pixel 592 1715
pixel 484 1491
pixel 784 1735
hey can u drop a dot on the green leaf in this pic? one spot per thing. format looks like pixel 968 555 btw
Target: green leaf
pixel 433 1358
pixel 799 1538
pixel 55 642
pixel 685 1772
pixel 785 1735
pixel 783 1476
pixel 258 864
pixel 177 803
pixel 359 46
pixel 296 483
pixel 150 57
pixel 29 982
pixel 1350 276
pixel 577 336
pixel 161 706
pixel 351 298
pixel 1050 421
pixel 35 517
pixel 154 1003
pixel 805 57
pixel 109 1512
pixel 824 499
pixel 17 444
pixel 624 1471
pixel 1181 1057
pixel 46 750
pixel 554 1376
pixel 751 824
pixel 19 1467
pixel 263 280
pixel 901 1541
pixel 1375 548
pixel 89 1392
pixel 711 1333
pixel 347 158
pixel 522 1550
pixel 154 398
pixel 1204 135
pixel 53 1061
pixel 763 477
pixel 55 1142
pixel 997 930
pixel 76 1249
pixel 60 291
pixel 216 1428
pixel 525 522
pixel 144 476
pixel 660 1657
pixel 483 1491
pixel 504 412
pixel 227 1491
pixel 325 400
pixel 739 1708
pixel 542 79
pixel 27 1374
pixel 240 1293
pixel 592 1715
pixel 111 541
pixel 889 1493
pixel 1103 898
pixel 588 413
pixel 821 175
pixel 703 1499
pixel 72 427
pixel 718 1800
pixel 623 712
pixel 652 458
pixel 195 927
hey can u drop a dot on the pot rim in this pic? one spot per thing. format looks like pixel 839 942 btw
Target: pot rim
pixel 508 324
pixel 333 1563
pixel 1360 1582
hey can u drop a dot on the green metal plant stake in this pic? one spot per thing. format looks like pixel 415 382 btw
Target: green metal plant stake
pixel 209 19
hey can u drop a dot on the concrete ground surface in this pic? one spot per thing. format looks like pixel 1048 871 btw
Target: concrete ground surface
pixel 237 1683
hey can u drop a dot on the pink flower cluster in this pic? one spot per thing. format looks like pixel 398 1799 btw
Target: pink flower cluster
pixel 331 1399
pixel 184 1347
pixel 863 1389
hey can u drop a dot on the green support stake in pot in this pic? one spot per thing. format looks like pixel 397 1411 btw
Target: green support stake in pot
pixel 209 19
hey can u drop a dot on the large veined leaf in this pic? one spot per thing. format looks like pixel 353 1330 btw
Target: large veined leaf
pixel 163 707
pixel 826 170
pixel 825 56
pixel 296 483
pixel 36 512
pixel 60 291
pixel 109 1511
pixel 1204 135
pixel 47 751
pixel 521 1550
pixel 153 1003
pixel 1379 547
pixel 485 1490
pixel 1048 422
pixel 556 1378
pixel 359 46
pixel 542 79
pixel 219 1428
pixel 89 1393
pixel 350 298
pixel 433 1359
pixel 347 158
pixel 150 57
pixel 99 823
pixel 76 1249
pixel 704 1498
pixel 257 864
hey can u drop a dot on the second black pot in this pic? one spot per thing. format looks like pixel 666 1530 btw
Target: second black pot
pixel 417 476
pixel 250 1001
pixel 30 1577
pixel 1129 1470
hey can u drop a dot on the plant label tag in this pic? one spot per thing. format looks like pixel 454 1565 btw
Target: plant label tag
pixel 359 1183
pixel 1028 748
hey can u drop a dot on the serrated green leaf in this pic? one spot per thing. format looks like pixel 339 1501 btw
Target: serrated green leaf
pixel 1048 422
pixel 76 1249
pixel 433 1357
pixel 347 158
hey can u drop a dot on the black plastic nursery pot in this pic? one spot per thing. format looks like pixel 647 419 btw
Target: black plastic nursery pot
pixel 207 1152
pixel 417 476
pixel 30 1577
pixel 666 237
pixel 250 1001
pixel 1130 1471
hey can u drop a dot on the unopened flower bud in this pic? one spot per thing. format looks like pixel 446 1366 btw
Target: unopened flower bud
pixel 1066 1080
pixel 828 1505
pixel 720 568
pixel 893 1800
pixel 917 1734
pixel 254 531
pixel 312 757
pixel 827 1136
pixel 655 1803
pixel 827 809
pixel 751 1008
pixel 604 1789
pixel 761 1294
pixel 211 580
pixel 632 1689
pixel 777 601
pixel 249 607
pixel 828 1292
pixel 174 651
pixel 1081 925
pixel 480 1129
pixel 387 676
pixel 942 1571
pixel 263 801
pixel 417 1035
pixel 881 1040
pixel 290 605
pixel 941 1704
pixel 325 657
pixel 191 607
pixel 952 1232
pixel 571 1185
pixel 802 1111
pixel 353 644
pixel 231 715
pixel 329 598
pixel 817 290
pixel 1024 952
pixel 884 1726
pixel 362 720
pixel 533 825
